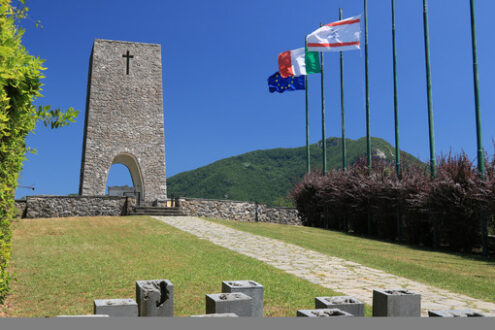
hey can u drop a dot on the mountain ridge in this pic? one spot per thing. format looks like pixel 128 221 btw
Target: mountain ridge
pixel 268 175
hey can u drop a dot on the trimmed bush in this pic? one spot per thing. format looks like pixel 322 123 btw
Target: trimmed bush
pixel 450 205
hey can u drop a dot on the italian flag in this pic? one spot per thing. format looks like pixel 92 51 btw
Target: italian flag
pixel 298 62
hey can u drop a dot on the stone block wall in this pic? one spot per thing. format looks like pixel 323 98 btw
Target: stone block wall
pixel 224 209
pixel 21 207
pixel 239 211
pixel 79 206
pixel 281 215
pixel 73 206
pixel 124 118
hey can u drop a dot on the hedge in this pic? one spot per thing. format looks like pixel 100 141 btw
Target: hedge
pixel 448 207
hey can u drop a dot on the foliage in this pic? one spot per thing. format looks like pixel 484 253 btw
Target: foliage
pixel 266 176
pixel 451 204
pixel 282 202
pixel 20 85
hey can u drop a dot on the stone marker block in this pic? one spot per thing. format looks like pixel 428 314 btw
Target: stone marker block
pixel 116 307
pixel 216 315
pixel 455 313
pixel 237 303
pixel 89 315
pixel 155 298
pixel 250 288
pixel 327 312
pixel 396 303
pixel 347 304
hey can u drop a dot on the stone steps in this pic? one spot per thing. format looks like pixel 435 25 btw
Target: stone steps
pixel 154 210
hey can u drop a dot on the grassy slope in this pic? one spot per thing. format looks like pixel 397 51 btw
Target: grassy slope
pixel 466 274
pixel 266 175
pixel 62 265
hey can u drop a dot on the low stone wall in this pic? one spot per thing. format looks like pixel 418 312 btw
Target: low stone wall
pixel 238 211
pixel 21 207
pixel 79 206
pixel 74 206
pixel 282 215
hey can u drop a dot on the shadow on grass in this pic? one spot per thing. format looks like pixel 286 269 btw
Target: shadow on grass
pixel 489 261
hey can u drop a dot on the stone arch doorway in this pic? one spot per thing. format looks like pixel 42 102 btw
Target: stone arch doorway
pixel 132 164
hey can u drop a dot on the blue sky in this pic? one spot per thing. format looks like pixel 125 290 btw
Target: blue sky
pixel 217 56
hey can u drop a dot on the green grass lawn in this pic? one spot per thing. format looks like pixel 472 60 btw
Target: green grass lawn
pixel 62 265
pixel 467 274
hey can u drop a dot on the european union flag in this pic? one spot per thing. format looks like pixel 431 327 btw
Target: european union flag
pixel 278 84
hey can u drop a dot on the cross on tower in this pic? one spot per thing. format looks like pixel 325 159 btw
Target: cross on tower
pixel 127 56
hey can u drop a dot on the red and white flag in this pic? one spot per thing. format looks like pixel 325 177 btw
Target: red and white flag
pixel 337 36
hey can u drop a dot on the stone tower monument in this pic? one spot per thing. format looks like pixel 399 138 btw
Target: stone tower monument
pixel 124 118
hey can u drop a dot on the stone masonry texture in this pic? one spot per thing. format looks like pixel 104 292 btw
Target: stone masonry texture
pixel 74 206
pixel 124 118
pixel 239 211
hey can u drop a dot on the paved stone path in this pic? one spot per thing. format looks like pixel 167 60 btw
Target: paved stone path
pixel 337 274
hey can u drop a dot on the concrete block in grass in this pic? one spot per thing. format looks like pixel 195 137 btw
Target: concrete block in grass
pixel 84 316
pixel 455 313
pixel 155 298
pixel 396 303
pixel 326 312
pixel 252 289
pixel 237 303
pixel 216 315
pixel 116 307
pixel 345 303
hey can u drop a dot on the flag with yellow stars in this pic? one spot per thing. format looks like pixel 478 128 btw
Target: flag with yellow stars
pixel 278 84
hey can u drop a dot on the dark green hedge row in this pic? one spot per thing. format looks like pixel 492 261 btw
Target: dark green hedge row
pixel 448 207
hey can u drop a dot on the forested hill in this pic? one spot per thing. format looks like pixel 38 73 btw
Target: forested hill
pixel 267 176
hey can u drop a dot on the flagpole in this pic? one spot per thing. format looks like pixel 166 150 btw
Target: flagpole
pixel 323 139
pixel 368 138
pixel 433 166
pixel 481 156
pixel 396 118
pixel 481 160
pixel 308 160
pixel 396 98
pixel 344 152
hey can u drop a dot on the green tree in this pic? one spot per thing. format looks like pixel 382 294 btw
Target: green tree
pixel 20 86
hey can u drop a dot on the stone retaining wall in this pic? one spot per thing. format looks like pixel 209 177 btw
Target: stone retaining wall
pixel 238 211
pixel 78 206
pixel 282 215
pixel 21 207
pixel 74 206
